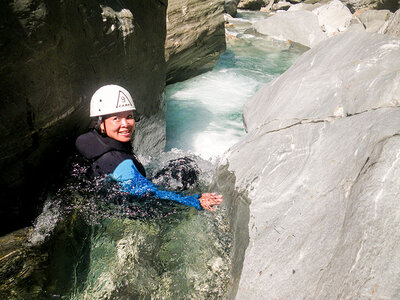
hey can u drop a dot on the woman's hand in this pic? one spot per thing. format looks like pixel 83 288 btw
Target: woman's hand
pixel 208 200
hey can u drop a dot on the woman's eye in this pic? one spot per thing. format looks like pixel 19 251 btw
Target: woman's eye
pixel 129 117
pixel 115 119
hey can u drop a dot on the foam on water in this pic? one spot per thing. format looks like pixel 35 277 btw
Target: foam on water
pixel 110 246
pixel 204 114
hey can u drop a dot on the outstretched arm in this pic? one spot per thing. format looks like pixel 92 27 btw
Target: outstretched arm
pixel 136 184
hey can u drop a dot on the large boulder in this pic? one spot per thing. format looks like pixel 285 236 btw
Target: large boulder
pixel 298 26
pixel 321 167
pixel 373 20
pixel 230 7
pixel 251 4
pixel 391 5
pixel 393 25
pixel 195 37
pixel 54 55
pixel 333 17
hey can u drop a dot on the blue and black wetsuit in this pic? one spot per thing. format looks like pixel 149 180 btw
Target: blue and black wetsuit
pixel 114 158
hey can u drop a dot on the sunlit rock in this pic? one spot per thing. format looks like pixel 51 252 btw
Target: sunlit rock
pixel 321 167
pixel 298 26
pixel 393 25
pixel 333 17
pixel 374 19
pixel 283 5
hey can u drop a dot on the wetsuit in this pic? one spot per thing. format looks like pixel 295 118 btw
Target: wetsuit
pixel 114 158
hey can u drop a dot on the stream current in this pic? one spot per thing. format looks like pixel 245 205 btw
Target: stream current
pixel 103 246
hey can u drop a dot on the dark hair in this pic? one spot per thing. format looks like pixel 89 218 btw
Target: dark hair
pixel 95 124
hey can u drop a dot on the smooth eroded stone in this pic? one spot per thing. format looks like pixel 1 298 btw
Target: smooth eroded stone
pixel 374 19
pixel 333 17
pixel 367 62
pixel 321 167
pixel 298 26
pixel 392 27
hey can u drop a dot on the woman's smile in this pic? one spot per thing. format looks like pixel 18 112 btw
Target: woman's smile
pixel 119 126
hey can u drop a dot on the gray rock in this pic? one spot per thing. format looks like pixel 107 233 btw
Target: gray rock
pixel 374 19
pixel 303 6
pixel 281 5
pixel 22 266
pixel 298 26
pixel 53 58
pixel 391 5
pixel 251 4
pixel 393 25
pixel 333 17
pixel 195 37
pixel 321 167
pixel 230 7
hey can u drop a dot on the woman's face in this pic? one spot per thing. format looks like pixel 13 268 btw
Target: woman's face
pixel 119 126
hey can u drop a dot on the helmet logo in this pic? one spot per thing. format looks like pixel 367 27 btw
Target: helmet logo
pixel 123 100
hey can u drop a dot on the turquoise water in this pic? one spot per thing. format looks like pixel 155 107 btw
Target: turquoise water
pixel 99 249
pixel 204 114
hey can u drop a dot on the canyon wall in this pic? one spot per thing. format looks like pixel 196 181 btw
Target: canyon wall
pixel 54 55
pixel 320 166
pixel 195 37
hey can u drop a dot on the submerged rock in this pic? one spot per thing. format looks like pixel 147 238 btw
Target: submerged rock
pixel 321 167
pixel 195 37
pixel 179 174
pixel 21 267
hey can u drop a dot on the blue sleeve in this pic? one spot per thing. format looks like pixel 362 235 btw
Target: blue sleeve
pixel 137 185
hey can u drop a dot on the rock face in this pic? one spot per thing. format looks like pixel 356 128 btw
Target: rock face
pixel 195 37
pixel 321 167
pixel 251 4
pixel 373 4
pixel 53 57
pixel 373 20
pixel 393 26
pixel 230 7
pixel 333 17
pixel 298 26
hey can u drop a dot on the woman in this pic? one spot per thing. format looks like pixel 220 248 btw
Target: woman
pixel 109 150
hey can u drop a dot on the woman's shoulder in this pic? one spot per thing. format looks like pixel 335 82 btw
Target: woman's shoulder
pixel 90 145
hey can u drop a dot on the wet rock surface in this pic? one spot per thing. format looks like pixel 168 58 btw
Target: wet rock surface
pixel 195 37
pixel 53 57
pixel 21 266
pixel 320 165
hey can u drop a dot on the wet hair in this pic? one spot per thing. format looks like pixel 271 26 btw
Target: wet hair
pixel 95 124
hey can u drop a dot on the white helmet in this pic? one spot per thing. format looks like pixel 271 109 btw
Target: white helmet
pixel 110 99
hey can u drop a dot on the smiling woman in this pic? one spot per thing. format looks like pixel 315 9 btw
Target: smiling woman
pixel 120 126
pixel 109 151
